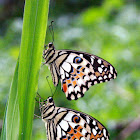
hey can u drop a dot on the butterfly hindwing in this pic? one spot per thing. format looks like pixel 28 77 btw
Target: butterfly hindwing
pixel 79 71
pixel 80 126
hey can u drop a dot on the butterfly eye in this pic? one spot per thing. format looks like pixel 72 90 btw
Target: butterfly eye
pixel 77 60
pixel 50 44
pixel 50 99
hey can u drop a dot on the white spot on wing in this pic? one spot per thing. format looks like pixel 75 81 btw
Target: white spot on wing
pixel 72 97
pixel 87 120
pixel 95 82
pixel 70 58
pixel 80 82
pixel 86 78
pixel 99 61
pixel 109 75
pixel 100 78
pixel 68 117
pixel 94 132
pixel 84 89
pixel 92 60
pixel 93 57
pixel 100 69
pixel 67 75
pixel 94 122
pixel 82 138
pixel 84 131
pixel 105 77
pixel 66 66
pixel 70 89
pixel 111 69
pixel 72 124
pixel 77 88
pixel 86 70
pixel 104 132
pixel 64 125
pixel 79 95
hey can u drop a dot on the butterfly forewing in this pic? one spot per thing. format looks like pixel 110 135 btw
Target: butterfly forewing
pixel 78 71
pixel 67 124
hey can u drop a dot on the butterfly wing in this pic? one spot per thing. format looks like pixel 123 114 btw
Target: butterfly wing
pixel 78 71
pixel 71 125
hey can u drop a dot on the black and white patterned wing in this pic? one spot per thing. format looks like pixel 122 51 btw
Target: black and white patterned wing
pixel 81 70
pixel 74 125
pixel 67 124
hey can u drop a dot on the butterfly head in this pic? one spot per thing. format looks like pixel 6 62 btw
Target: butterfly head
pixel 49 46
pixel 47 107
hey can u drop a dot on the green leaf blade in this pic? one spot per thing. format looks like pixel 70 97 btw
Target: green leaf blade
pixel 20 106
pixel 30 61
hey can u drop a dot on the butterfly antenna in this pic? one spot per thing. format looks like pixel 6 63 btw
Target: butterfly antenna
pixel 51 30
pixel 39 96
pixel 54 91
pixel 49 84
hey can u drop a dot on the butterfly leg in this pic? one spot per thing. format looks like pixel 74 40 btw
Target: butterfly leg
pixel 37 116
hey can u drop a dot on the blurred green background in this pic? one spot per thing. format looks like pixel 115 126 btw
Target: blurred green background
pixel 107 28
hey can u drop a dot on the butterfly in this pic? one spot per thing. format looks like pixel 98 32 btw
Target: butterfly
pixel 77 70
pixel 67 124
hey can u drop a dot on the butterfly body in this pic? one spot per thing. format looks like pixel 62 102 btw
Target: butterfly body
pixel 77 70
pixel 67 124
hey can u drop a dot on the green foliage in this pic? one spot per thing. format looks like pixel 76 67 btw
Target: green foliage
pixel 11 124
pixel 20 107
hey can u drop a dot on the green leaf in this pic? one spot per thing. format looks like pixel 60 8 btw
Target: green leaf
pixel 20 107
pixel 11 122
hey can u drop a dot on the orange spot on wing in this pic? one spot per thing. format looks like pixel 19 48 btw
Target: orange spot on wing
pixel 79 128
pixel 78 135
pixel 74 83
pixel 100 126
pixel 76 76
pixel 71 131
pixel 96 137
pixel 105 63
pixel 74 71
pixel 81 69
pixel 64 87
pixel 73 137
pixel 103 73
pixel 75 134
pixel 80 74
pixel 68 81
pixel 97 74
